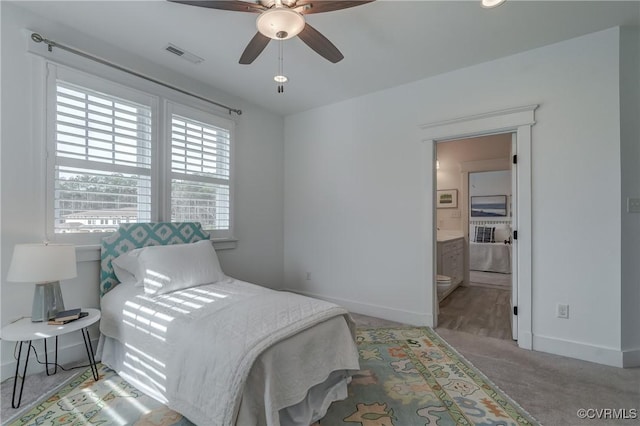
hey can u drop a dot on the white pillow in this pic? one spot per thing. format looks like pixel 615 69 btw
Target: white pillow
pixel 163 269
pixel 503 232
pixel 125 267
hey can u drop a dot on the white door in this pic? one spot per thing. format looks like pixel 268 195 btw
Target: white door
pixel 513 205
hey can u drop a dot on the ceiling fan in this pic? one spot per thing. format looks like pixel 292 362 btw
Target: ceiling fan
pixel 282 20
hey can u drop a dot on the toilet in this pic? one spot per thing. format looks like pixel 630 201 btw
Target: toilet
pixel 443 282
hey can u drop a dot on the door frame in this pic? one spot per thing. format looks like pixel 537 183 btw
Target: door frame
pixel 515 120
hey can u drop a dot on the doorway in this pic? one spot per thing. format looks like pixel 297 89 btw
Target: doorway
pixel 474 243
pixel 520 121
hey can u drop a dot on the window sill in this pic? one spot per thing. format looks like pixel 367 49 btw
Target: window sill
pixel 91 252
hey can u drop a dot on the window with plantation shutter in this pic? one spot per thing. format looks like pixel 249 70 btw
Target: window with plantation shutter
pixel 102 174
pixel 119 155
pixel 200 172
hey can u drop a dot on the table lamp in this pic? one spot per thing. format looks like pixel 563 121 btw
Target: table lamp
pixel 45 264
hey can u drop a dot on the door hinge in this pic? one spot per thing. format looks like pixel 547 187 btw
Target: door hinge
pixel 515 235
pixel 515 310
pixel 515 159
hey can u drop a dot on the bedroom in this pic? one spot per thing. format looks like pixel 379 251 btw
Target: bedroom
pixel 298 227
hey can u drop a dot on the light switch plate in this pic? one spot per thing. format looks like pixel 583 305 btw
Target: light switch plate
pixel 633 205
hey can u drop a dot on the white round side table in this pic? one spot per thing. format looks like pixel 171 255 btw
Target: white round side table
pixel 25 332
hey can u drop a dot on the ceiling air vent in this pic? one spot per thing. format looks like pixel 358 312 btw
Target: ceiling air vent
pixel 194 59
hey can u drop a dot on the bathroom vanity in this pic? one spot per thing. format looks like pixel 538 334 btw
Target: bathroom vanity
pixel 450 260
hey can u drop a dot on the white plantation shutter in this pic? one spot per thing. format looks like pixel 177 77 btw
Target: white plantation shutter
pixel 102 171
pixel 94 126
pixel 200 169
pixel 117 154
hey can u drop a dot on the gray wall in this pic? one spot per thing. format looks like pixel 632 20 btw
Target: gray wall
pixel 354 183
pixel 630 171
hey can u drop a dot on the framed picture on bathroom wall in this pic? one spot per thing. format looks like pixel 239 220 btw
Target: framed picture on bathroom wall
pixel 447 198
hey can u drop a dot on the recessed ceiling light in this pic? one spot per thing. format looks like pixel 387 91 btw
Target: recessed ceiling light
pixel 492 3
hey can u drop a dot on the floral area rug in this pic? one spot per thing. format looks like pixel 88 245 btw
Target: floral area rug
pixel 409 377
pixel 109 401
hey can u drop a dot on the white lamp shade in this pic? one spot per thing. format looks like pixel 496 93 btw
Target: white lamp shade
pixel 42 263
pixel 280 23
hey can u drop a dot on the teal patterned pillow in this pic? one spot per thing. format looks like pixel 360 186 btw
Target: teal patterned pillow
pixel 136 235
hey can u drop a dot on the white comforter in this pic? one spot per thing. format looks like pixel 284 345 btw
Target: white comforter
pixel 490 257
pixel 196 347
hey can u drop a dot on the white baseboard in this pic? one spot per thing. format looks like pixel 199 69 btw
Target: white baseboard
pixel 67 355
pixel 390 314
pixel 631 358
pixel 583 351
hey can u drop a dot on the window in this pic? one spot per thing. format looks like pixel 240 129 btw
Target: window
pixel 102 167
pixel 106 165
pixel 200 173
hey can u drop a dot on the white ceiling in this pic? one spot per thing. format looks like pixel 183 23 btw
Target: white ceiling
pixel 385 43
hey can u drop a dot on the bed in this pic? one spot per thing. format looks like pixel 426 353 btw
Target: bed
pixel 490 249
pixel 218 350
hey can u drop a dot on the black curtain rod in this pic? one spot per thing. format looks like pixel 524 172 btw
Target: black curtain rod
pixel 51 44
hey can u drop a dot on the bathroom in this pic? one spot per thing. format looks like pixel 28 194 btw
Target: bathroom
pixel 473 221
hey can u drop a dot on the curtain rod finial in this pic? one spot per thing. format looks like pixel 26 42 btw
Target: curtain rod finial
pixel 39 39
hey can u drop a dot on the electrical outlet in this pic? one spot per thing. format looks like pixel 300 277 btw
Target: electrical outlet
pixel 562 310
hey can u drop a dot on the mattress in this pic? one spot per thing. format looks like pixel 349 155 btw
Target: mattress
pixel 169 349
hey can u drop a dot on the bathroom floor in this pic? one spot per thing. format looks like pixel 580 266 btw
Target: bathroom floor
pixel 481 311
pixel 490 279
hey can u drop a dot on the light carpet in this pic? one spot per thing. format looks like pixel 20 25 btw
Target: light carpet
pixel 409 376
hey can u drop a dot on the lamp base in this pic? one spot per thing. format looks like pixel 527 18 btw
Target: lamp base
pixel 47 301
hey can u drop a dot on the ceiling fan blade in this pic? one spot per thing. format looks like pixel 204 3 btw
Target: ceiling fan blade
pixel 254 48
pixel 320 44
pixel 233 5
pixel 307 7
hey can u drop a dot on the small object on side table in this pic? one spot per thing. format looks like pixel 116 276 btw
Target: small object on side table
pixel 67 316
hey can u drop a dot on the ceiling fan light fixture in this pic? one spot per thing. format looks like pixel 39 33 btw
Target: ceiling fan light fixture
pixel 280 79
pixel 488 4
pixel 280 23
